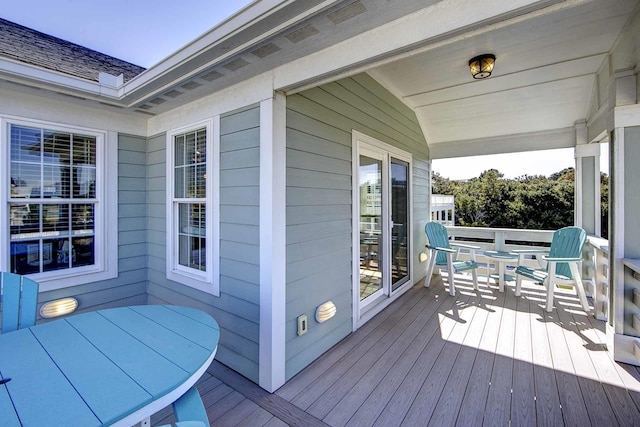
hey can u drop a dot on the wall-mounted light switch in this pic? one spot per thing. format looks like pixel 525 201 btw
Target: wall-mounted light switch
pixel 303 324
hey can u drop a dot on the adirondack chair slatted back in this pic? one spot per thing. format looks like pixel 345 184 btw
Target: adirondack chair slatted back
pixel 438 237
pixel 567 242
pixel 19 298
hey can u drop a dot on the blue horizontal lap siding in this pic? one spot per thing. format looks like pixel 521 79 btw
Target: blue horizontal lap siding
pixel 320 122
pixel 237 310
pixel 130 287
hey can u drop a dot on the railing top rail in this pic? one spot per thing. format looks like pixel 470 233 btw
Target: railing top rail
pixel 598 243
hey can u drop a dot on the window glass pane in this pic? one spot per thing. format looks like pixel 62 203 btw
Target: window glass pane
pixel 25 144
pixel 179 150
pixel 83 219
pixel 199 181
pixel 25 257
pixel 56 182
pixel 25 177
pixel 179 178
pixel 191 235
pixel 84 150
pixel 56 254
pixel 201 146
pixel 55 220
pixel 83 252
pixel 56 148
pixel 84 182
pixel 24 220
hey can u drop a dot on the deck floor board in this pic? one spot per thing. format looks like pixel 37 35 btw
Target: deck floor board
pixel 480 358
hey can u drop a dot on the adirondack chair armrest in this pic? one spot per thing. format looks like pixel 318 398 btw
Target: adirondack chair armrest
pixel 453 251
pixel 522 252
pixel 548 259
pixel 464 246
pixel 530 251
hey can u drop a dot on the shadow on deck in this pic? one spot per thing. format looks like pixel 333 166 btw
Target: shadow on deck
pixel 481 358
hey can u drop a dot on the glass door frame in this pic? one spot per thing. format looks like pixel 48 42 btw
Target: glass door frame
pixel 363 144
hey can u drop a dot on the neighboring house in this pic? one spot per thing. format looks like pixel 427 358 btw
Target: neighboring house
pixel 229 177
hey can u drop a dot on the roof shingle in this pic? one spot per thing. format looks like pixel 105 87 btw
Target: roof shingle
pixel 33 47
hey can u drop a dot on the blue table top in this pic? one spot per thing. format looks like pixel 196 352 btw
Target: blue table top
pixel 99 368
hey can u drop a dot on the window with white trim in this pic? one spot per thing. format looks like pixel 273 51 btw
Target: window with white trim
pixel 54 202
pixel 189 211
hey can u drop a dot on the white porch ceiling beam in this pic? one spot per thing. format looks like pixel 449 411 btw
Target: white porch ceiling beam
pixel 547 140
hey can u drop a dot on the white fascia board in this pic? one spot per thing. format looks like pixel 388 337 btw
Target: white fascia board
pixel 250 15
pixel 443 18
pixel 46 77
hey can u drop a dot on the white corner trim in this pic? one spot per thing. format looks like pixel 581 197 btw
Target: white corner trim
pixel 355 225
pixel 4 181
pixel 616 254
pixel 272 242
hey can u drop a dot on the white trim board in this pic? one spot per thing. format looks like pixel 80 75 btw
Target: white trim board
pixel 272 242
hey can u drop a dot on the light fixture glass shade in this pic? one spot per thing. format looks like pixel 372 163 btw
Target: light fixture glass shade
pixel 325 312
pixel 481 66
pixel 58 307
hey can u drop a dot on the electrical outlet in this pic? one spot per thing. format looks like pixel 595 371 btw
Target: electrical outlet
pixel 303 324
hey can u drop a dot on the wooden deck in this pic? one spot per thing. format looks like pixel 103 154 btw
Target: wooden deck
pixel 481 358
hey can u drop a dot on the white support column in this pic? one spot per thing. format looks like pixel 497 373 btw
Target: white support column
pixel 624 233
pixel 587 182
pixel 272 242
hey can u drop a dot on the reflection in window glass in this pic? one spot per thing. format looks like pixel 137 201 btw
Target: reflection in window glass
pixel 52 199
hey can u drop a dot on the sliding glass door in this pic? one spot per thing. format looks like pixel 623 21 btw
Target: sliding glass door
pixel 382 206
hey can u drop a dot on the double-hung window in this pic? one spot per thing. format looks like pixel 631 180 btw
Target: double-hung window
pixel 190 245
pixel 55 204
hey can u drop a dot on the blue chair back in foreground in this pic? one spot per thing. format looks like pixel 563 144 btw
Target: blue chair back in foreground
pixel 19 298
pixel 189 409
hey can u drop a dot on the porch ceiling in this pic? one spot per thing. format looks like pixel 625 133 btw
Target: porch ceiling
pixel 543 83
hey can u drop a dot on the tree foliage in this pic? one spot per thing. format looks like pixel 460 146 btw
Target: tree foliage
pixel 528 202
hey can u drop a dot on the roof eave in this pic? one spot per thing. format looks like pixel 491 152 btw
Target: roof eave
pixel 251 15
pixel 32 75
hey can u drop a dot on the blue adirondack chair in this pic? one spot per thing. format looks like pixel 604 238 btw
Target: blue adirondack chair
pixel 19 298
pixel 444 256
pixel 189 410
pixel 562 258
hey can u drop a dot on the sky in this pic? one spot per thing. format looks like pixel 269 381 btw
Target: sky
pixel 142 32
pixel 514 165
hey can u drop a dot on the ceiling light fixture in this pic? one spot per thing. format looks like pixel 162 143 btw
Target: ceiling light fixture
pixel 481 66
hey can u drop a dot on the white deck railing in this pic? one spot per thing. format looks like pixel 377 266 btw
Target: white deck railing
pixel 595 273
pixel 595 269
